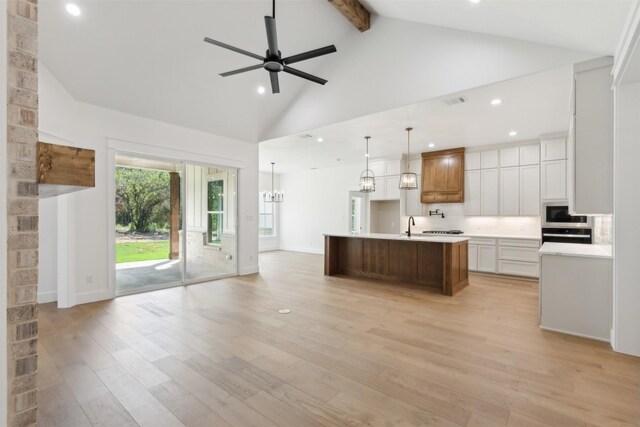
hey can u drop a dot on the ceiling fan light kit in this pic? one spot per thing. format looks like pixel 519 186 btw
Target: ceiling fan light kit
pixel 273 61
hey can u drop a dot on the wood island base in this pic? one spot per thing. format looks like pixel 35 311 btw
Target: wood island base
pixel 434 264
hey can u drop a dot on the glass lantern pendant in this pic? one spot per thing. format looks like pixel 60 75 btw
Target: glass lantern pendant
pixel 367 180
pixel 408 180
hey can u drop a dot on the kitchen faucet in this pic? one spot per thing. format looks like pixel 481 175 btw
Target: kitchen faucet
pixel 411 221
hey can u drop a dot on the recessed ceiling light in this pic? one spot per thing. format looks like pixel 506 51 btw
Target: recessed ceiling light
pixel 513 133
pixel 73 9
pixel 261 90
pixel 320 139
pixel 432 145
pixel 475 1
pixel 496 101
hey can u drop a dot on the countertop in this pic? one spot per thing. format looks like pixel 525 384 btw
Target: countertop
pixel 578 250
pixel 498 236
pixel 418 237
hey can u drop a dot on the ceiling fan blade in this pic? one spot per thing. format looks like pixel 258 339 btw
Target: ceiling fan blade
pixel 275 83
pixel 311 54
pixel 241 70
pixel 233 48
pixel 304 75
pixel 272 36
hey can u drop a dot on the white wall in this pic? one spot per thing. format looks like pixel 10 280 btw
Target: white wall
pixel 48 267
pixel 264 184
pixel 316 202
pixel 398 63
pixel 63 120
pixel 385 216
pixel 626 225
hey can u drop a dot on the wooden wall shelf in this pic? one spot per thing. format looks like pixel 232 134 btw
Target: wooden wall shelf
pixel 63 169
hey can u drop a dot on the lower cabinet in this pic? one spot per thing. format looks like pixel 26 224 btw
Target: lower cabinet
pixel 518 257
pixel 482 255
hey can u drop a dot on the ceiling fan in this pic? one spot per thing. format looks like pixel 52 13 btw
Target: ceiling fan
pixel 273 62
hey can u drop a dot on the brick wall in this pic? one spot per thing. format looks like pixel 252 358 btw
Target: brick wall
pixel 22 211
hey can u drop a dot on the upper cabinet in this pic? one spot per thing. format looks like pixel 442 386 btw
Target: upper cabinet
pixel 443 176
pixel 387 176
pixel 590 142
pixel 553 168
pixel 553 149
pixel 503 182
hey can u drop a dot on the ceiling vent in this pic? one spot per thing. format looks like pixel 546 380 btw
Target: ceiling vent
pixel 456 100
pixel 305 136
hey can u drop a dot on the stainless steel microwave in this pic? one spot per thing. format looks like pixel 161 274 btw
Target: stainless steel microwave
pixel 556 214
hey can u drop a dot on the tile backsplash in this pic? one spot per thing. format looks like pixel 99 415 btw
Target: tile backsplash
pixel 602 230
pixel 455 219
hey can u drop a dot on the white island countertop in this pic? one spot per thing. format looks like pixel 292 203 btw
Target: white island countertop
pixel 576 249
pixel 417 237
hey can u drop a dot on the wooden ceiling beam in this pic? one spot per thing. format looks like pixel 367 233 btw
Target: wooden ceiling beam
pixel 355 12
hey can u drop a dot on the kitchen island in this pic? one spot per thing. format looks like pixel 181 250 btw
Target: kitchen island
pixel 436 262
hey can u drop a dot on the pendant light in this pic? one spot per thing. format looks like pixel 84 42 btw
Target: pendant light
pixel 367 180
pixel 408 180
pixel 273 196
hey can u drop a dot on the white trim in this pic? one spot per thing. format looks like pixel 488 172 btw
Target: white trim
pixel 124 146
pixel 3 212
pixel 92 296
pixel 251 269
pixel 628 41
pixel 302 249
pixel 544 328
pixel 45 297
pixel 111 222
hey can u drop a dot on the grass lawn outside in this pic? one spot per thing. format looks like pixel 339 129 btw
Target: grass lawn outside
pixel 142 251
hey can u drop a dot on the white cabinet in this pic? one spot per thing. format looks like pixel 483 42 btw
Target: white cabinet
pixel 472 254
pixel 487 258
pixel 413 207
pixel 509 157
pixel 553 149
pixel 472 193
pixel 510 190
pixel 530 190
pixel 482 255
pixel 518 257
pixel 377 168
pixel 591 144
pixel 530 155
pixel 392 167
pixel 575 295
pixel 489 159
pixel 489 191
pixel 472 161
pixel 554 180
pixel 391 187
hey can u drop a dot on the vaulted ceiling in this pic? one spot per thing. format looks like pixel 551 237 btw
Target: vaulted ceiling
pixel 148 58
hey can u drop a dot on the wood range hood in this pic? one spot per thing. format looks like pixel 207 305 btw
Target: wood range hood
pixel 63 169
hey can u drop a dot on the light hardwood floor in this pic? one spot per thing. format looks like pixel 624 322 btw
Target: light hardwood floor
pixel 351 353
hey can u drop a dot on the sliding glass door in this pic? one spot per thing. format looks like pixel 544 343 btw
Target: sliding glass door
pixel 175 223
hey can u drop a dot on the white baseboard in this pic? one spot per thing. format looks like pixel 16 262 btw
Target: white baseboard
pixel 251 269
pixel 574 334
pixel 45 297
pixel 302 249
pixel 93 296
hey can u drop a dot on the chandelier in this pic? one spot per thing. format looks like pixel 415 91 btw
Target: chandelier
pixel 408 180
pixel 273 196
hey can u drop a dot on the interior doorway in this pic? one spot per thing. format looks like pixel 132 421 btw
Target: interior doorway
pixel 175 223
pixel 358 212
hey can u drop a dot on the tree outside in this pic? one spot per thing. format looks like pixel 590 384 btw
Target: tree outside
pixel 142 214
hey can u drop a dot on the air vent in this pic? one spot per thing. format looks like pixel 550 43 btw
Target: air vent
pixel 456 100
pixel 305 136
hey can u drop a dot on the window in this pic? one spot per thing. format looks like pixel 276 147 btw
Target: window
pixel 266 218
pixel 215 211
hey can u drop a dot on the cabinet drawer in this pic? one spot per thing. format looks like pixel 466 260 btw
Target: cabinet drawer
pixel 481 241
pixel 441 197
pixel 518 254
pixel 519 268
pixel 525 243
